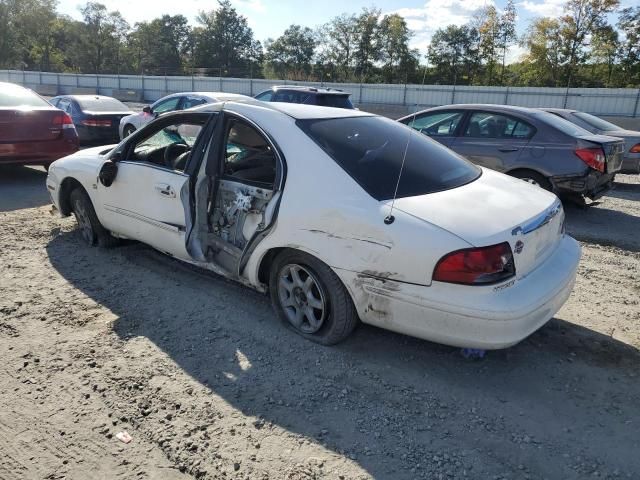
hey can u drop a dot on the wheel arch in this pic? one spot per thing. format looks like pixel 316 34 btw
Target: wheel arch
pixel 67 186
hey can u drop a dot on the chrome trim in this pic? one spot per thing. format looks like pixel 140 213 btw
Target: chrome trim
pixel 540 221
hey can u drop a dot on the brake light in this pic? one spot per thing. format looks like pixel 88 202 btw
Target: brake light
pixel 476 266
pixel 62 120
pixel 635 148
pixel 96 123
pixel 594 157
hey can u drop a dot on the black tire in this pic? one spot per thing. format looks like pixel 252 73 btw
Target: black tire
pixel 90 227
pixel 533 178
pixel 128 130
pixel 339 314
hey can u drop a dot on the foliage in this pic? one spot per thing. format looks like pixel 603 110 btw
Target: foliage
pixel 578 48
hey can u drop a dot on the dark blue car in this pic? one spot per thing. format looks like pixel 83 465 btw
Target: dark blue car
pixel 96 117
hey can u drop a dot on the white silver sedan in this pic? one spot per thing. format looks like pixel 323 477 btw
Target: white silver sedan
pixel 298 201
pixel 172 103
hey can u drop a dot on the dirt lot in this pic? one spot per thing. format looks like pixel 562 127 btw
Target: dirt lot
pixel 210 385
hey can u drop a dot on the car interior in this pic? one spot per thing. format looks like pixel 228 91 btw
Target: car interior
pixel 249 157
pixel 170 147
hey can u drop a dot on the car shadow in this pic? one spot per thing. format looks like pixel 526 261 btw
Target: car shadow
pixel 625 191
pixel 604 226
pixel 22 187
pixel 385 400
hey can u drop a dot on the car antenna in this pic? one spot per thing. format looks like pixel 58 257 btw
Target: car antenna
pixel 389 219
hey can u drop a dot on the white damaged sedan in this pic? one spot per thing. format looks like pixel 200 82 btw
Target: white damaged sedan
pixel 298 201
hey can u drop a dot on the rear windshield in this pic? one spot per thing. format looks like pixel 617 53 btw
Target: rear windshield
pixel 337 101
pixel 17 96
pixel 370 150
pixel 596 122
pixel 102 104
pixel 565 126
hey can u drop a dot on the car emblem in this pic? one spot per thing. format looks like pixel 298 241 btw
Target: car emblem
pixel 519 246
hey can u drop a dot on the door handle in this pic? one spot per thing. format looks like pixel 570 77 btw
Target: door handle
pixel 165 190
pixel 508 149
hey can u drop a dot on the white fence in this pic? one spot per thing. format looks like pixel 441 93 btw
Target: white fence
pixel 623 102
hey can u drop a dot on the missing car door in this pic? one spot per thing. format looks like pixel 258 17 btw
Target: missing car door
pixel 243 197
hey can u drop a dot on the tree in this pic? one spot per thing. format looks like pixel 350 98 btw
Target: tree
pixel 224 39
pixel 367 42
pixel 104 33
pixel 507 33
pixel 488 24
pixel 543 61
pixel 395 54
pixel 605 49
pixel 291 53
pixel 162 44
pixel 339 44
pixel 581 19
pixel 454 53
pixel 629 25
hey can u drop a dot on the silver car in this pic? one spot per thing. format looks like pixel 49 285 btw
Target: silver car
pixel 527 143
pixel 171 103
pixel 631 160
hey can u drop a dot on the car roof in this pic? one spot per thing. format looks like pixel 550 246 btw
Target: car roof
pixel 297 111
pixel 86 97
pixel 305 88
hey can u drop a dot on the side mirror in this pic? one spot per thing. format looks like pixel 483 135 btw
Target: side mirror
pixel 148 109
pixel 108 173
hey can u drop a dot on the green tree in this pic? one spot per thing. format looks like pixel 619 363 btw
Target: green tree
pixel 454 54
pixel 605 50
pixel 543 62
pixel 162 44
pixel 398 60
pixel 291 54
pixel 104 33
pixel 224 40
pixel 507 33
pixel 629 25
pixel 580 20
pixel 367 42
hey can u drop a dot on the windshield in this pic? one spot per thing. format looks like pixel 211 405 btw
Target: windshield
pixel 337 101
pixel 370 150
pixel 596 122
pixel 17 96
pixel 102 104
pixel 565 126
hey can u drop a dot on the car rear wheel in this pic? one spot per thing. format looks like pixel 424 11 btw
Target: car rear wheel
pixel 310 298
pixel 534 178
pixel 128 130
pixel 90 227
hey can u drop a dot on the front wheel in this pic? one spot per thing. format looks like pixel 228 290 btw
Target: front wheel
pixel 90 227
pixel 534 178
pixel 310 298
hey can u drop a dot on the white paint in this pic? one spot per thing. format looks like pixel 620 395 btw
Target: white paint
pixel 386 268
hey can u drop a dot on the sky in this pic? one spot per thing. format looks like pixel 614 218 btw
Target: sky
pixel 269 18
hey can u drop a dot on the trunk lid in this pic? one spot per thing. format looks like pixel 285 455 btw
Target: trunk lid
pixel 493 209
pixel 613 150
pixel 29 124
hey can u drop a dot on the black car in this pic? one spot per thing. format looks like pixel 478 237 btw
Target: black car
pixel 324 97
pixel 96 117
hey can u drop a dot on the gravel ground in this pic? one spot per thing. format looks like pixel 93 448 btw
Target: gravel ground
pixel 210 386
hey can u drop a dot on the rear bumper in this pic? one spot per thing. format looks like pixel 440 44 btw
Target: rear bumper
pixel 592 185
pixel 98 135
pixel 489 317
pixel 631 164
pixel 37 153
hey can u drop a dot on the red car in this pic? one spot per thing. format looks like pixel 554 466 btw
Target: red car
pixel 32 131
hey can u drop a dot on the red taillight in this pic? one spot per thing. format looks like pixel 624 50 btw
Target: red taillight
pixel 594 157
pixel 62 120
pixel 96 123
pixel 476 266
pixel 635 148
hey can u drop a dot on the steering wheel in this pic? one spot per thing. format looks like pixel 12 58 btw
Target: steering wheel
pixel 173 151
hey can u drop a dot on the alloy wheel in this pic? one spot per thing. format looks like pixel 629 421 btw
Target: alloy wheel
pixel 302 298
